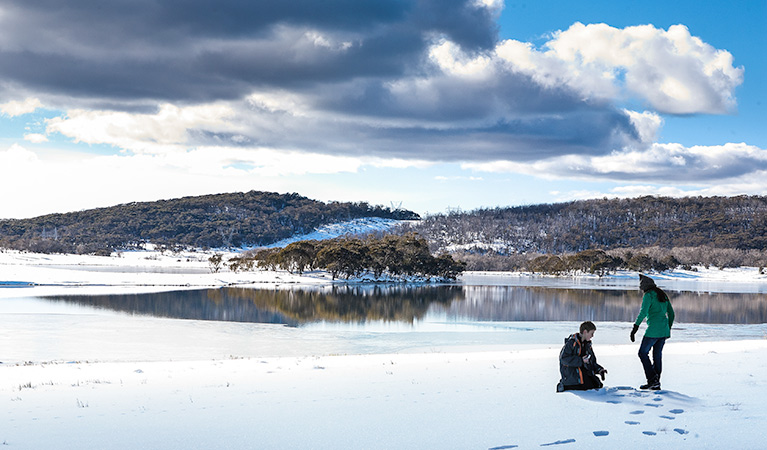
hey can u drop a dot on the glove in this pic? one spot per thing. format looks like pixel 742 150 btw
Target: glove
pixel 634 332
pixel 602 374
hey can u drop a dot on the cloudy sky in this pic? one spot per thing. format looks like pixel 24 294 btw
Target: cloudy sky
pixel 432 103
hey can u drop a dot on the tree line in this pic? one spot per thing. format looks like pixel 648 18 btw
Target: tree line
pixel 210 221
pixel 602 262
pixel 392 255
pixel 710 231
pixel 718 222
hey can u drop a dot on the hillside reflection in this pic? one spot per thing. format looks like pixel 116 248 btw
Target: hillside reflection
pixel 282 306
pixel 505 303
pixel 410 304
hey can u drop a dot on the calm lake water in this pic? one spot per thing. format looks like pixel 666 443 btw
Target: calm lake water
pixel 414 305
pixel 352 319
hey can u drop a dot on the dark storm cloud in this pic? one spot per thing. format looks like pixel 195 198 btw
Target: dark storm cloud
pixel 585 132
pixel 361 69
pixel 506 116
pixel 447 98
pixel 202 50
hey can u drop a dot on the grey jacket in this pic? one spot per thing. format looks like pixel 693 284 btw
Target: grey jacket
pixel 571 365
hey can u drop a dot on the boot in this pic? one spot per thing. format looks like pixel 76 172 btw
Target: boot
pixel 653 384
pixel 656 385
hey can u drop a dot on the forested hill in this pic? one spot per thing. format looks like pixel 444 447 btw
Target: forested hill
pixel 722 222
pixel 252 218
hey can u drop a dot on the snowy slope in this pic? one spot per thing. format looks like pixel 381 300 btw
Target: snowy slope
pixel 351 228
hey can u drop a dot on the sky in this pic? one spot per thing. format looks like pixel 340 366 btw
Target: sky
pixel 431 105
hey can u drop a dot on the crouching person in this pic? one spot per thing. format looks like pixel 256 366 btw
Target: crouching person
pixel 577 362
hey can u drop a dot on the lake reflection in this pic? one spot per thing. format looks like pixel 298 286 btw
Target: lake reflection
pixel 413 304
pixel 505 303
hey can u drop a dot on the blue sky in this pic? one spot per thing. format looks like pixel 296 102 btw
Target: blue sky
pixel 434 104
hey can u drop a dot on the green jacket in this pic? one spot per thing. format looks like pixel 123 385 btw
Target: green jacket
pixel 660 316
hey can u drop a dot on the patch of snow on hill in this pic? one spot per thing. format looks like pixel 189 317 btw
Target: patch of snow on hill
pixel 496 246
pixel 350 228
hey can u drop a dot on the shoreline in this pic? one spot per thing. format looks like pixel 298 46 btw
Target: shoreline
pixel 148 270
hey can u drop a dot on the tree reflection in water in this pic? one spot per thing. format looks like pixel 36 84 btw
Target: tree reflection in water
pixel 411 304
pixel 282 306
pixel 510 303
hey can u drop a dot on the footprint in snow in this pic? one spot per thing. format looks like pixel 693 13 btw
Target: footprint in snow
pixel 503 447
pixel 652 405
pixel 601 433
pixel 631 422
pixel 565 441
pixel 649 433
pixel 681 431
pixel 614 402
pixel 676 411
pixel 667 417
pixel 639 411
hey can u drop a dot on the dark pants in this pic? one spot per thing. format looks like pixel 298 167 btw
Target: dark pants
pixel 652 369
pixel 589 382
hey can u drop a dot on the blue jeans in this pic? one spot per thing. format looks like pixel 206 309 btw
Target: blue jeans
pixel 652 369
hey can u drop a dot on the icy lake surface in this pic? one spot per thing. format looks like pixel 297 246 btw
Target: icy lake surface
pixel 355 319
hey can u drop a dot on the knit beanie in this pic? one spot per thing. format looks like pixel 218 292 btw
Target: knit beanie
pixel 646 283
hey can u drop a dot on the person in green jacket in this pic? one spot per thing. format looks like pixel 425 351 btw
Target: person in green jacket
pixel 656 307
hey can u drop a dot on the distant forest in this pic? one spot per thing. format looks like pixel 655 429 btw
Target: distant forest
pixel 721 231
pixel 721 222
pixel 210 221
pixel 646 233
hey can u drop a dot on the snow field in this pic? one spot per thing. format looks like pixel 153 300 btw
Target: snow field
pixel 713 398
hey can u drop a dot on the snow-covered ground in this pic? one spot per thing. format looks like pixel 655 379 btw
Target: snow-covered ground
pixel 714 398
pixel 129 271
pixel 112 381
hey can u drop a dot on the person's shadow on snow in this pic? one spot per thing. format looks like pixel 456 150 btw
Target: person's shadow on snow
pixel 627 394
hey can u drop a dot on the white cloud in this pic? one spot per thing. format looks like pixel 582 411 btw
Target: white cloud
pixel 35 138
pixel 747 185
pixel 457 178
pixel 175 134
pixel 552 72
pixel 647 124
pixel 17 108
pixel 165 131
pixel 56 181
pixel 48 183
pixel 667 163
pixel 13 157
pixel 670 70
pixel 261 162
pixel 452 60
pixel 325 41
